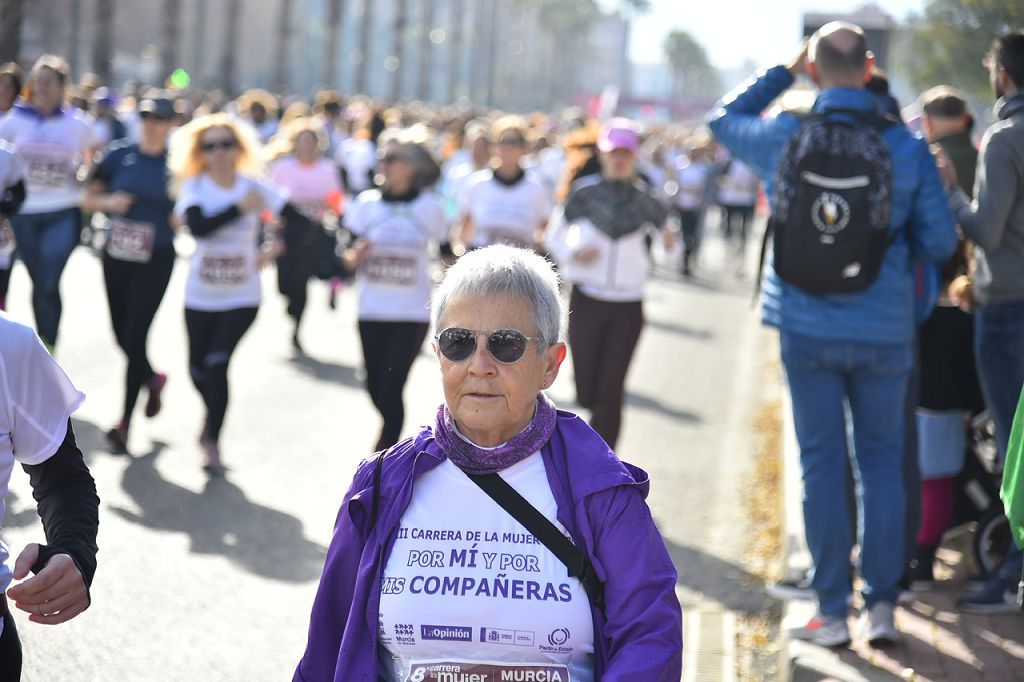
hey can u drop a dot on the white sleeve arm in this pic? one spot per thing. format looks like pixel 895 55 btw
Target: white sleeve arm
pixel 41 398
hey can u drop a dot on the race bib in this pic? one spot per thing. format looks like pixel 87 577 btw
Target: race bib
pixel 457 671
pixel 310 208
pixel 397 271
pixel 48 171
pixel 223 271
pixel 129 240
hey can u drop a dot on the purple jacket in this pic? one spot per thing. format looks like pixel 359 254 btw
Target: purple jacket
pixel 600 502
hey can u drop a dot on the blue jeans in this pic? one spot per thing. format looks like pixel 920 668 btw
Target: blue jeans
pixel 999 354
pixel 45 242
pixel 872 379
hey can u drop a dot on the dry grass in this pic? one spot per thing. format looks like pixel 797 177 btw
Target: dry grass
pixel 757 637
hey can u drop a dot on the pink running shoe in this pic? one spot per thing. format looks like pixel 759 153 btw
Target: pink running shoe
pixel 156 387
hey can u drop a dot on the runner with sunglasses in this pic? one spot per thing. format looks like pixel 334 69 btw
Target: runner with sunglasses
pixel 129 185
pixel 12 195
pixel 506 541
pixel 502 205
pixel 220 197
pixel 397 229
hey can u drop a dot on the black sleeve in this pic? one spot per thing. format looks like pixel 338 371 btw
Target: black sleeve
pixel 200 225
pixel 12 198
pixel 296 226
pixel 68 506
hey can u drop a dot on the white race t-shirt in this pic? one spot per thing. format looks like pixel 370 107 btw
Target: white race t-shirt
pixel 467 590
pixel 222 274
pixel 693 183
pixel 308 185
pixel 52 149
pixel 11 171
pixel 738 186
pixel 505 214
pixel 357 157
pixel 394 281
pixel 36 399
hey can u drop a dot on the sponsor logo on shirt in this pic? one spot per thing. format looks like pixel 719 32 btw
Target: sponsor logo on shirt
pixel 448 633
pixel 458 671
pixel 507 637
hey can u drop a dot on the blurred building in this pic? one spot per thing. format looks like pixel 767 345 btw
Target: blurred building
pixel 506 56
pixel 877 24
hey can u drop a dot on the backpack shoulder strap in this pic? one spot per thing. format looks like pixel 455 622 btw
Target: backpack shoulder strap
pixel 576 561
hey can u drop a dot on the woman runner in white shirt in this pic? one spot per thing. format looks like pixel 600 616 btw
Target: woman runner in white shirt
pixel 502 205
pixel 53 143
pixel 213 161
pixel 397 229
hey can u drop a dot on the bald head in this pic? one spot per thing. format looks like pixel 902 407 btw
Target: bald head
pixel 838 55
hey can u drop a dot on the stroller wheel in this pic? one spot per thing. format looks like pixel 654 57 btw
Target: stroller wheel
pixel 991 540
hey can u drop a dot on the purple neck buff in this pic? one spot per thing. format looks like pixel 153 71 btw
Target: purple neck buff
pixel 476 460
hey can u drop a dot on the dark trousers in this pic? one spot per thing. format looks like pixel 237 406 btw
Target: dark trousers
pixel 389 349
pixel 212 339
pixel 603 336
pixel 294 270
pixel 5 281
pixel 134 292
pixel 689 224
pixel 10 650
pixel 737 221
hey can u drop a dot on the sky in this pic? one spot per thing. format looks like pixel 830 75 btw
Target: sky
pixel 766 31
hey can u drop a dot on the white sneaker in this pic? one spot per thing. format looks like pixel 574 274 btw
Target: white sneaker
pixel 823 631
pixel 879 627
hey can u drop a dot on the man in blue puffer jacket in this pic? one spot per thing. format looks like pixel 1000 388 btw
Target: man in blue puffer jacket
pixel 846 348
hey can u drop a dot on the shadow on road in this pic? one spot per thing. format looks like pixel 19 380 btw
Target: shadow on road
pixel 327 371
pixel 682 330
pixel 733 587
pixel 221 520
pixel 90 438
pixel 643 402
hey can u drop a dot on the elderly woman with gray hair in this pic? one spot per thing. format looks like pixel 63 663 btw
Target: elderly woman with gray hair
pixel 397 229
pixel 507 541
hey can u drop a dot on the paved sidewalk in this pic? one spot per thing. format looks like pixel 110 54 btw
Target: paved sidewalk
pixel 939 643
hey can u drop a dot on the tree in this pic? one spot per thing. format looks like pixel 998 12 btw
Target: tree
pixel 947 44
pixel 692 73
pixel 397 58
pixel 424 88
pixel 365 28
pixel 103 41
pixel 12 14
pixel 170 29
pixel 232 20
pixel 284 44
pixel 199 40
pixel 455 48
pixel 334 14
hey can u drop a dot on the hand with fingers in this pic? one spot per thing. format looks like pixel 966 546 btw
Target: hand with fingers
pixel 54 595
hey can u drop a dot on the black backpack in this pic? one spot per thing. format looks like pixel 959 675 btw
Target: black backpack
pixel 833 196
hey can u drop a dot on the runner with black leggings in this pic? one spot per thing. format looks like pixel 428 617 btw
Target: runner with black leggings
pixel 129 185
pixel 12 195
pixel 396 228
pixel 213 160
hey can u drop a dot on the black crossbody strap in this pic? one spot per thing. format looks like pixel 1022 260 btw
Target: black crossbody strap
pixel 575 560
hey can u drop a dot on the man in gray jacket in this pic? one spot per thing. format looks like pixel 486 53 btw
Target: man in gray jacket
pixel 995 223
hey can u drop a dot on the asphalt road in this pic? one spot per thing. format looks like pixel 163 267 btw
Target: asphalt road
pixel 212 579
